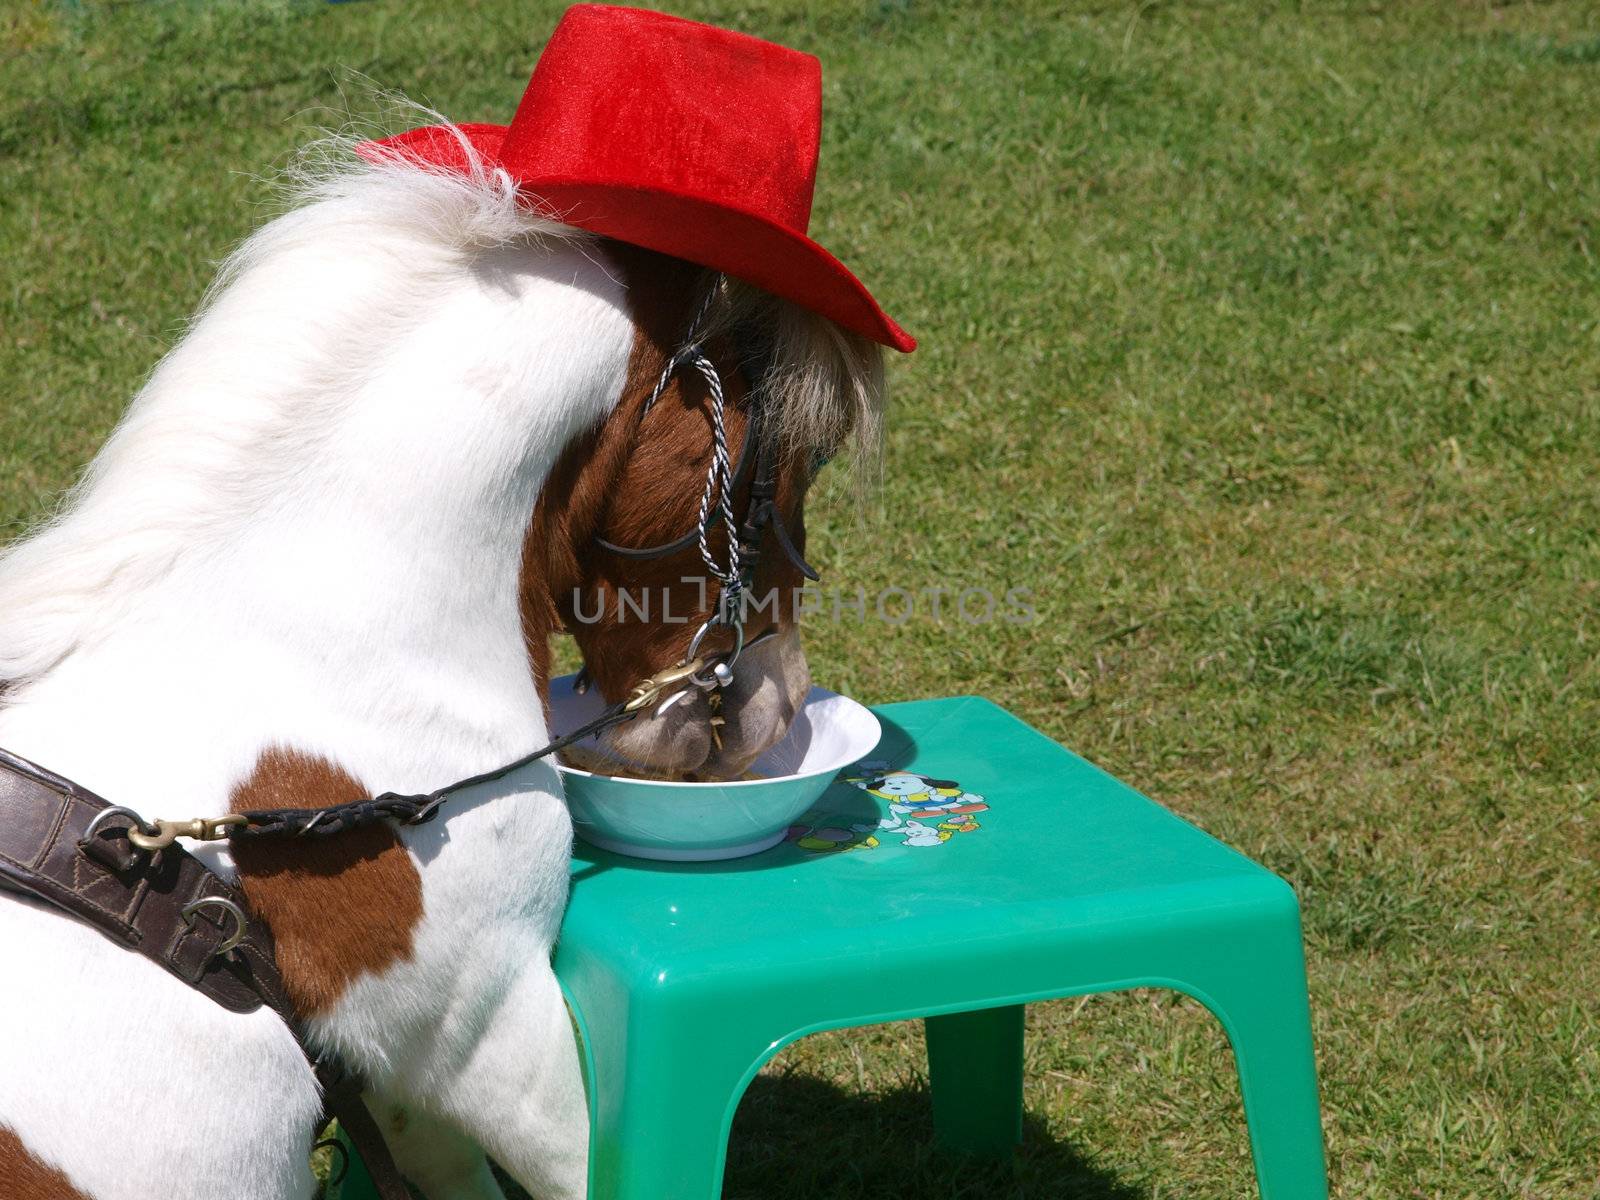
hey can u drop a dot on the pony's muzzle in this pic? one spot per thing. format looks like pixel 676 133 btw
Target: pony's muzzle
pixel 678 738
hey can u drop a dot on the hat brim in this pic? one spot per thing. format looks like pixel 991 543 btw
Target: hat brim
pixel 714 235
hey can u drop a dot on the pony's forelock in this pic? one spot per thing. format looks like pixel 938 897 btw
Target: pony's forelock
pixel 823 384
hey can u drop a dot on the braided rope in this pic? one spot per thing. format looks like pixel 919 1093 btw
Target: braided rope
pixel 690 348
pixel 718 492
pixel 407 810
pixel 719 483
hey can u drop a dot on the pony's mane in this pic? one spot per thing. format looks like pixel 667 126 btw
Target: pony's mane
pixel 169 477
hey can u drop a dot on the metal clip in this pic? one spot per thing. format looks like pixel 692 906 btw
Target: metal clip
pixel 647 691
pixel 203 829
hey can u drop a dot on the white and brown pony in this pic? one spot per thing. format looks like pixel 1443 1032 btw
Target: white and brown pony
pixel 322 557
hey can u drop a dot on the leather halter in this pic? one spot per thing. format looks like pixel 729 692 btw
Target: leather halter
pixel 759 461
pixel 757 455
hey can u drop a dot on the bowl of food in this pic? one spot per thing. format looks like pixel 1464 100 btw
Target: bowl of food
pixel 681 821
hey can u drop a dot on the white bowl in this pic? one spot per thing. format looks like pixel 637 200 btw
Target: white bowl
pixel 697 822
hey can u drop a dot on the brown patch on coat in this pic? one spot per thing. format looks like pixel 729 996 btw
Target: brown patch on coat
pixel 635 479
pixel 24 1177
pixel 339 908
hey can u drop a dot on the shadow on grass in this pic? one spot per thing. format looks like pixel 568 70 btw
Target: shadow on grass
pixel 798 1136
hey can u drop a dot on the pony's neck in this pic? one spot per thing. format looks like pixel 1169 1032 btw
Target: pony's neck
pixel 345 577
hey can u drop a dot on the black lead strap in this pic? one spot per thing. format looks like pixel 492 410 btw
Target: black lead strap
pixel 414 810
pixel 408 810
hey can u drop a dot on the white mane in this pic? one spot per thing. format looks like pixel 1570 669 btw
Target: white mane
pixel 246 394
pixel 248 384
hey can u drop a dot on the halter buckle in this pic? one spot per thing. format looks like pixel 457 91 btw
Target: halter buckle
pixel 240 924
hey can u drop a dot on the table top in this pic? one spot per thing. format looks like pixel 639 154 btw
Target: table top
pixel 964 819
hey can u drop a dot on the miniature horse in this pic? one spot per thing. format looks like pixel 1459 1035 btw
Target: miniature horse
pixel 322 556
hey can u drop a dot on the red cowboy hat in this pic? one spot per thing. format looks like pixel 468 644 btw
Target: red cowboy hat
pixel 680 137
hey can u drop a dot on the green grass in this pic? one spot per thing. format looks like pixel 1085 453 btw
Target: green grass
pixel 1261 342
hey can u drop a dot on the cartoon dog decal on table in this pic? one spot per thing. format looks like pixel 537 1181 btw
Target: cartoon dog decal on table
pixel 923 811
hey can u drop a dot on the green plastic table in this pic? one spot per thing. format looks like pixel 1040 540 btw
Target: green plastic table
pixel 982 868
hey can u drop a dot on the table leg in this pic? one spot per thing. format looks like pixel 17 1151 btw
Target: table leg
pixel 975 1070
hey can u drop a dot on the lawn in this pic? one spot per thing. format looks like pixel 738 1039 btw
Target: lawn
pixel 1260 342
